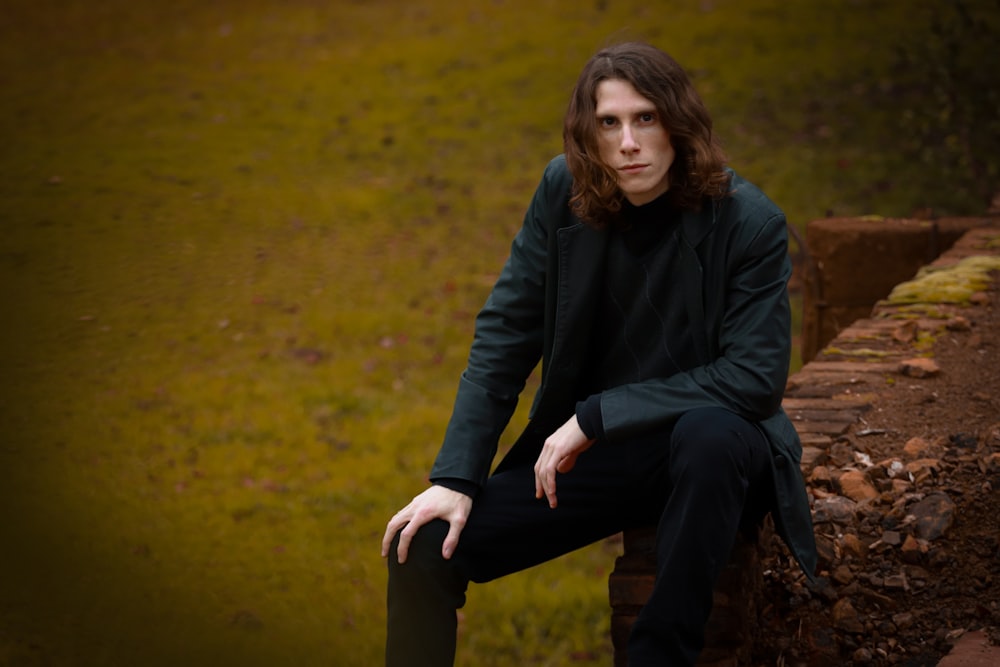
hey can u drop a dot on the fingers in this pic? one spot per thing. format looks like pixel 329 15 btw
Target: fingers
pixel 405 537
pixel 545 478
pixel 390 530
pixel 437 502
pixel 558 455
pixel 539 485
pixel 550 494
pixel 567 463
pixel 387 539
pixel 548 463
pixel 410 522
pixel 395 523
pixel 451 541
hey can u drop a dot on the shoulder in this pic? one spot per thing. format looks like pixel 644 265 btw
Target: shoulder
pixel 557 176
pixel 747 203
pixel 737 221
pixel 735 218
pixel 550 204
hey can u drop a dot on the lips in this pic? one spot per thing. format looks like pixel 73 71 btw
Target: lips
pixel 632 168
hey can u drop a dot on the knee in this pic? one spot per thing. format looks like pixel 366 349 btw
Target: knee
pixel 426 571
pixel 425 549
pixel 713 442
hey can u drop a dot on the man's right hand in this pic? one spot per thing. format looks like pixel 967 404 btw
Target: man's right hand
pixel 437 502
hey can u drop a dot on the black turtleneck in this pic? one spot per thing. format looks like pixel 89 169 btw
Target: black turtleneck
pixel 643 227
pixel 640 330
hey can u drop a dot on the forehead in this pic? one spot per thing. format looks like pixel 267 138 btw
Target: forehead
pixel 616 97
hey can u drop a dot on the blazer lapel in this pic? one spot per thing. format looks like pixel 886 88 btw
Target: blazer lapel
pixel 695 226
pixel 576 291
pixel 578 285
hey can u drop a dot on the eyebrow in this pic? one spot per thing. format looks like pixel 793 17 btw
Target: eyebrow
pixel 637 112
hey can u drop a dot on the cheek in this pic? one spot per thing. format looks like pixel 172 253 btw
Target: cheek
pixel 606 147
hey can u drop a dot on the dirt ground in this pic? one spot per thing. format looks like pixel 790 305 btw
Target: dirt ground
pixel 890 591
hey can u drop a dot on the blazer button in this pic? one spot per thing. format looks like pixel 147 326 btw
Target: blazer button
pixel 780 462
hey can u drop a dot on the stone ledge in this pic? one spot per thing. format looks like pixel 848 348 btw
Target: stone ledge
pixel 851 263
pixel 831 392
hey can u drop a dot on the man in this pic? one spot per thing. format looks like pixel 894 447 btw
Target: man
pixel 650 281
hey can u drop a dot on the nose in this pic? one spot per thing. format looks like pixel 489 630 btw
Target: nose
pixel 629 142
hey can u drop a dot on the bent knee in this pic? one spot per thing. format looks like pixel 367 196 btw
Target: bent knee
pixel 425 546
pixel 708 438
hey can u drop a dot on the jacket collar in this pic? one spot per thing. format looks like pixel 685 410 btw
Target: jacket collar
pixel 695 225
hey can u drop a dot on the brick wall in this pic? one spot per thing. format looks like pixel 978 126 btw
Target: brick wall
pixel 851 263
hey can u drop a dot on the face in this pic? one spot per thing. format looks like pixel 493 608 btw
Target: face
pixel 633 141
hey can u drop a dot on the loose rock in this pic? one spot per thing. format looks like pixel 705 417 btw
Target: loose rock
pixel 934 515
pixel 919 367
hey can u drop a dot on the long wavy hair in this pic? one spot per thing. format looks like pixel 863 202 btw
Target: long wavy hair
pixel 698 170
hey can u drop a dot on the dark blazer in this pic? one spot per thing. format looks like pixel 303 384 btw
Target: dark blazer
pixel 733 277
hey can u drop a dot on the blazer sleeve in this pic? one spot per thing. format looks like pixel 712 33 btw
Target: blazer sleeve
pixel 508 340
pixel 744 270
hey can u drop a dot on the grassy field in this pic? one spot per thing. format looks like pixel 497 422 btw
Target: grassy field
pixel 243 242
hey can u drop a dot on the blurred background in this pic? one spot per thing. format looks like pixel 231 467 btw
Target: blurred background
pixel 242 245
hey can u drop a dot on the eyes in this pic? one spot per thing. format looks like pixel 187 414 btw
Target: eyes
pixel 645 119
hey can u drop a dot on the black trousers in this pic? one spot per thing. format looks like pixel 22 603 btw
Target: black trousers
pixel 698 482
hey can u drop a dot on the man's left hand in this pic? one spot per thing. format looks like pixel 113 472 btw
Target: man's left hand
pixel 559 454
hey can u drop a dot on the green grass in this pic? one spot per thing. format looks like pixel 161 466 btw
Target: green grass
pixel 243 242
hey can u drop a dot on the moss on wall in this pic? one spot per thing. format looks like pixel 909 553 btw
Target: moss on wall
pixel 951 284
